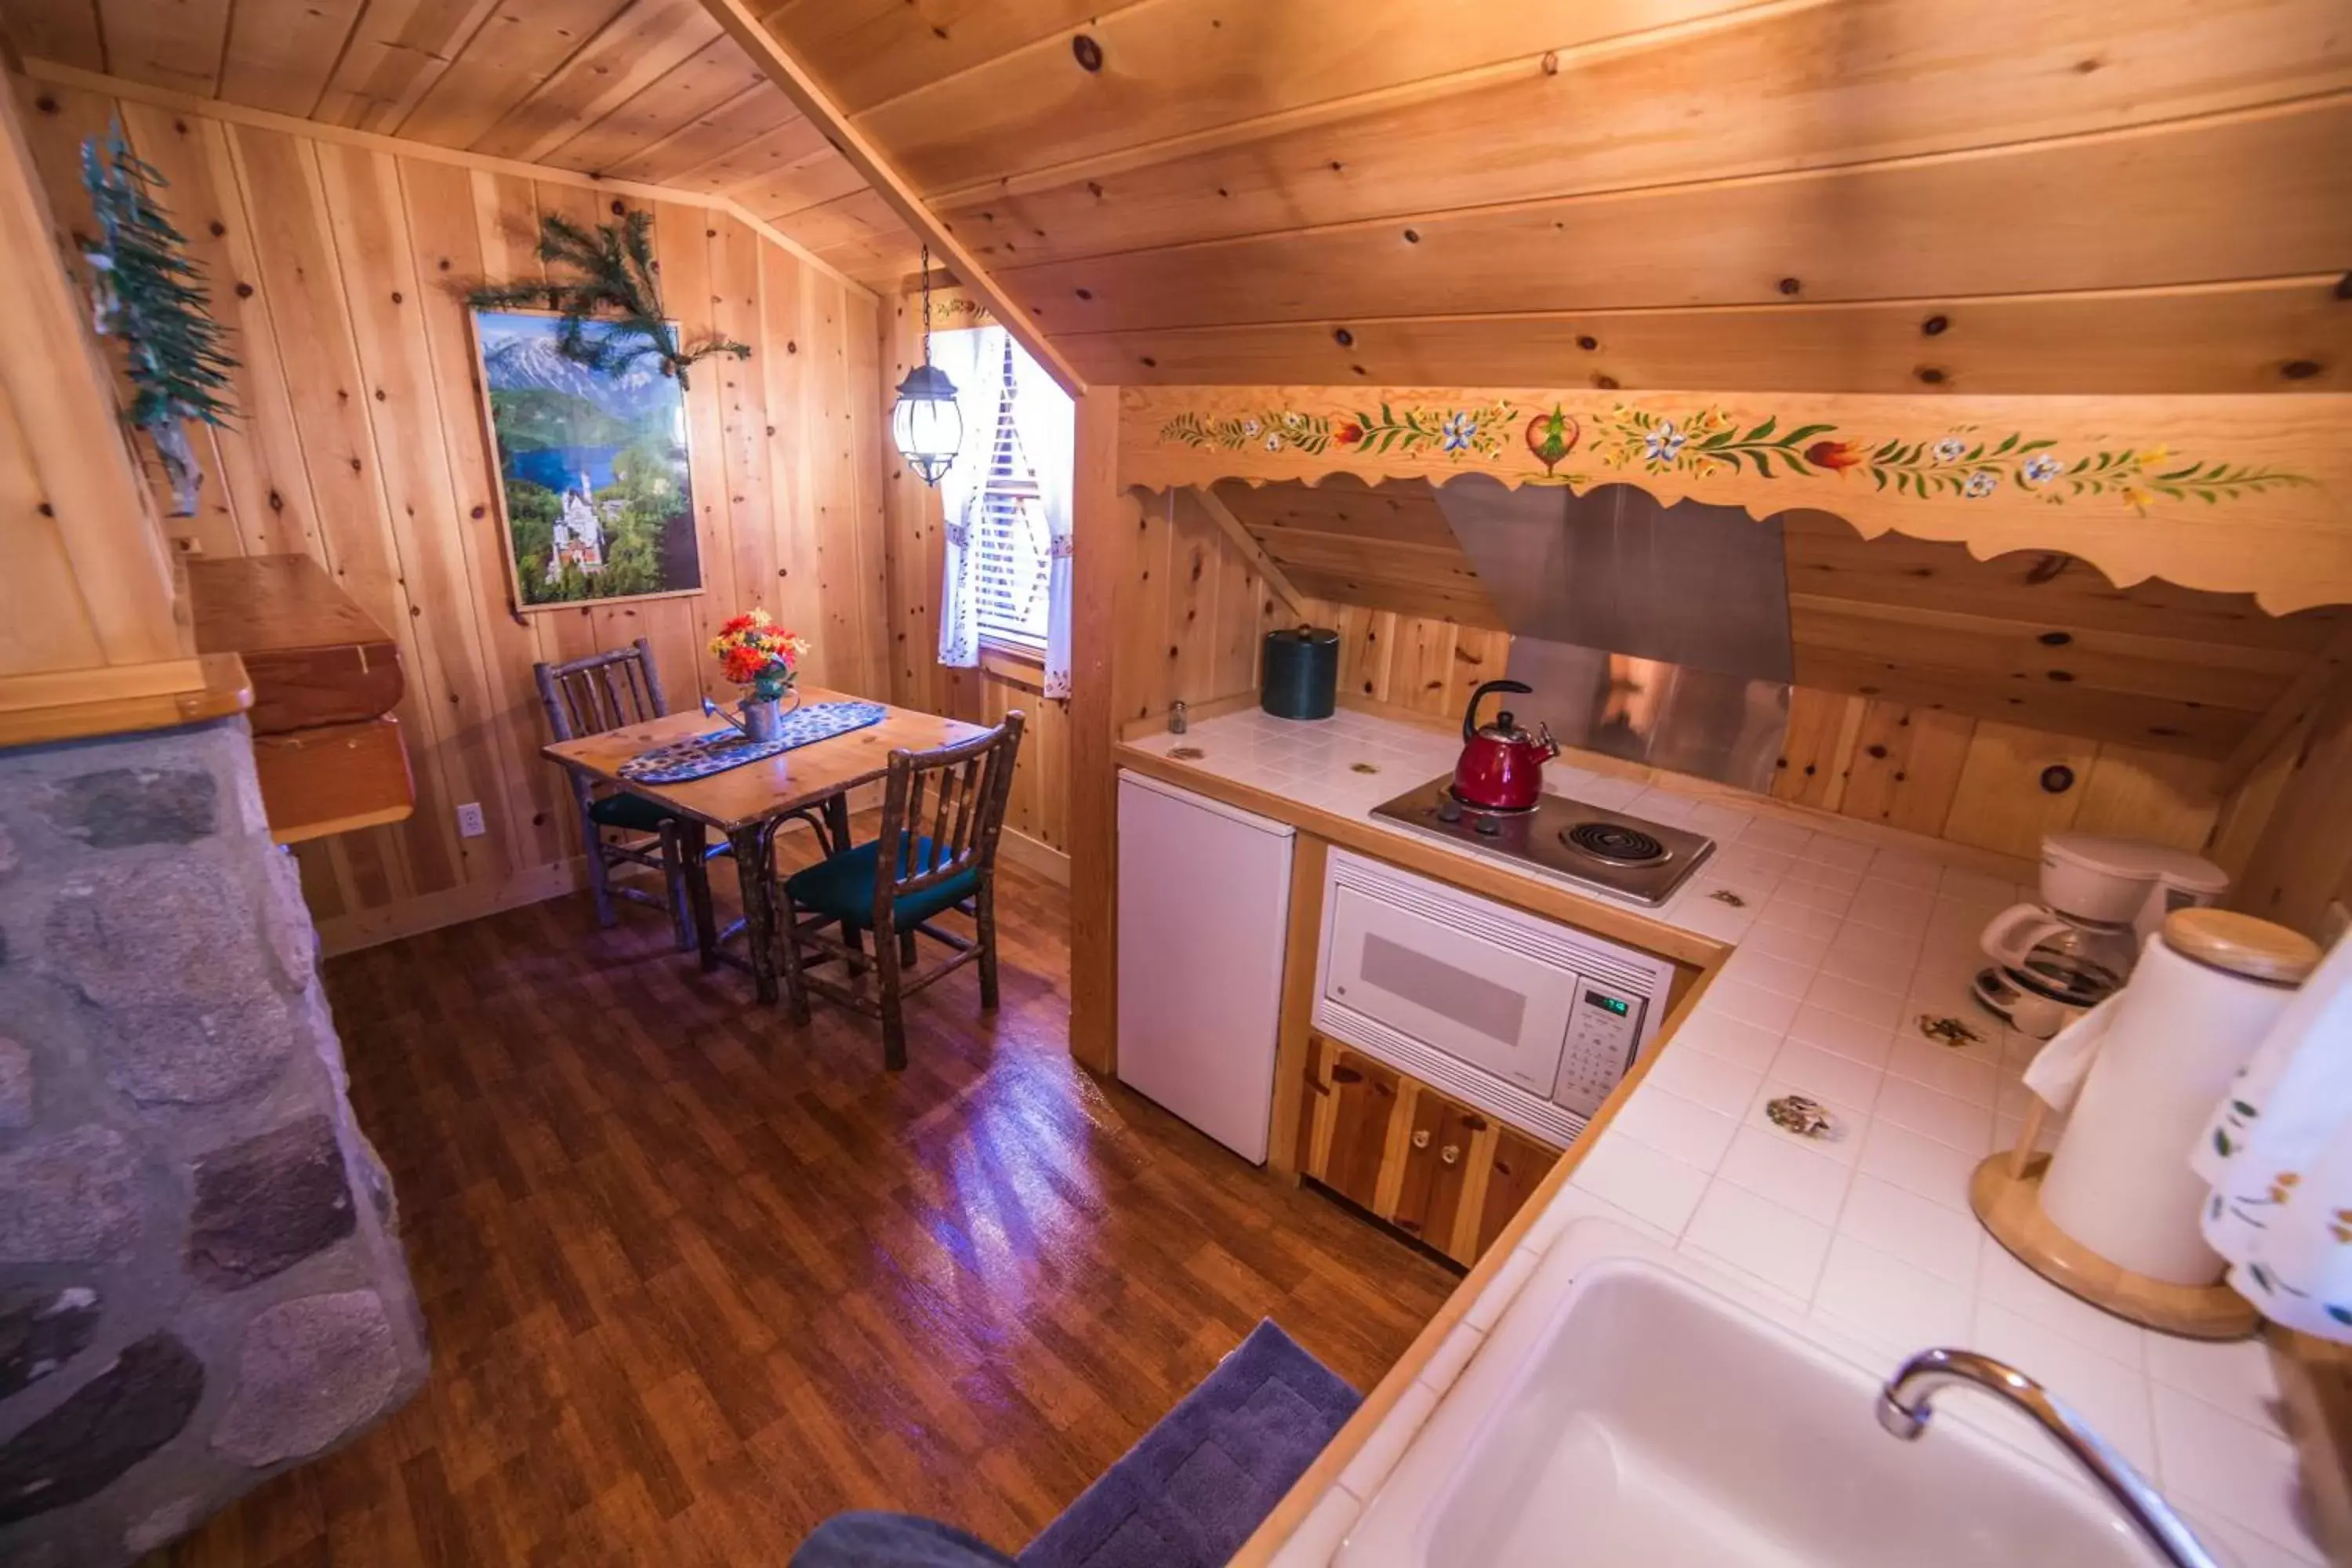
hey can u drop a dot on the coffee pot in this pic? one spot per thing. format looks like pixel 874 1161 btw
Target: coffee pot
pixel 2101 898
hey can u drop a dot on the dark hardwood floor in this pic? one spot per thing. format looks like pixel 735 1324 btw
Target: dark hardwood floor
pixel 697 1279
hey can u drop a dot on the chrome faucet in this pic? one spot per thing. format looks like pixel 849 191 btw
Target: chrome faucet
pixel 1902 1409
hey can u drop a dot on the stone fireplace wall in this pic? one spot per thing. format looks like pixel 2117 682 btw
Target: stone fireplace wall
pixel 201 1282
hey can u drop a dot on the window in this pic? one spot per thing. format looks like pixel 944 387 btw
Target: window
pixel 1014 542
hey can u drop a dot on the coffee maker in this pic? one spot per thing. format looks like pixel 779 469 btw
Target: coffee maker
pixel 2056 960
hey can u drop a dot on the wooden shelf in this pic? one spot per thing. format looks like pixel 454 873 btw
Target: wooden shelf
pixel 325 678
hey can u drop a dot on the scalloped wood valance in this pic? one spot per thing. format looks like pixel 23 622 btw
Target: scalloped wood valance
pixel 2235 494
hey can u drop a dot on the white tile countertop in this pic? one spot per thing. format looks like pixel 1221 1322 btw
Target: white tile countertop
pixel 1845 937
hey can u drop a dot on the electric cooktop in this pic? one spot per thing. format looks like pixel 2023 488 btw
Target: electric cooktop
pixel 1566 839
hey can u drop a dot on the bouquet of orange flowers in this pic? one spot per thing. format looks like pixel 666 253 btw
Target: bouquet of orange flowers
pixel 753 651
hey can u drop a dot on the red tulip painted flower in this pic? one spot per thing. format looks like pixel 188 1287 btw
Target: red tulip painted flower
pixel 1837 457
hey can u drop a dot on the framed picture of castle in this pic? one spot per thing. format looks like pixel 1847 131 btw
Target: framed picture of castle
pixel 593 491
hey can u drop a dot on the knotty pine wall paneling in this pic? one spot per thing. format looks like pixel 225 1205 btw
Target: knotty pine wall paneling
pixel 360 442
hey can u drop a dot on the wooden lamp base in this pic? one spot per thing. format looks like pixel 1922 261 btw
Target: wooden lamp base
pixel 2006 1192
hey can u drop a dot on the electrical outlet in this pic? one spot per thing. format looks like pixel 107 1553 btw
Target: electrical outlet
pixel 469 820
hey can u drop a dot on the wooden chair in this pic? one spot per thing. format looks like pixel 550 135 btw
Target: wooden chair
pixel 962 789
pixel 586 697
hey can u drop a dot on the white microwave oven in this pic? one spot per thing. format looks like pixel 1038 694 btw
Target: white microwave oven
pixel 1530 1020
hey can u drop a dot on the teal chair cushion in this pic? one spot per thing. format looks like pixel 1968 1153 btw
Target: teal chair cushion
pixel 843 887
pixel 633 813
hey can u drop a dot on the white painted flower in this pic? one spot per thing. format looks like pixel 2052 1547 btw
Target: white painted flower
pixel 1981 484
pixel 1665 443
pixel 1251 428
pixel 2040 469
pixel 1949 448
pixel 1273 442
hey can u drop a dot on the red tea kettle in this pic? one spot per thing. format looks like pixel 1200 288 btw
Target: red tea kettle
pixel 1502 765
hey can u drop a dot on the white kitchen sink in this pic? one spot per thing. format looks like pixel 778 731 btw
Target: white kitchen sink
pixel 1621 1412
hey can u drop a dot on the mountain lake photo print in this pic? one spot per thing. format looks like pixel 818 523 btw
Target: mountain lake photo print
pixel 593 465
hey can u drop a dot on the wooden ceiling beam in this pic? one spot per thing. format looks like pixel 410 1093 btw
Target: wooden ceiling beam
pixel 2305 696
pixel 870 162
pixel 1268 571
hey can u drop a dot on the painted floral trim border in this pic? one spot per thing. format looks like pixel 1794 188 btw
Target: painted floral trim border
pixel 1961 464
pixel 1448 431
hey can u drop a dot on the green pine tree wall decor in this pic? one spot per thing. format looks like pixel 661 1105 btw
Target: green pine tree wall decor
pixel 612 307
pixel 152 297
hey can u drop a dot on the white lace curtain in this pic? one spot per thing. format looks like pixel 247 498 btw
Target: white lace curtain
pixel 978 382
pixel 1046 422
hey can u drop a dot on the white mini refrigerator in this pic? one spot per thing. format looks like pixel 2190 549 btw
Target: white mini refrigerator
pixel 1203 907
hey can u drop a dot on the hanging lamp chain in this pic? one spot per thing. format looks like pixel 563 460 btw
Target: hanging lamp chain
pixel 927 304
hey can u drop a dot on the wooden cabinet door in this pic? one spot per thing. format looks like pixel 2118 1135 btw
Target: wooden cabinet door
pixel 1438 1158
pixel 1519 1163
pixel 1358 1101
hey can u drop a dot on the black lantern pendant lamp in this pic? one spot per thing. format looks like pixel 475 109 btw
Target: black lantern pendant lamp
pixel 925 421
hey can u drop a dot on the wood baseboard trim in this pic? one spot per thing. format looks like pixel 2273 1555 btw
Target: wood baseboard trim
pixel 1034 855
pixel 452 906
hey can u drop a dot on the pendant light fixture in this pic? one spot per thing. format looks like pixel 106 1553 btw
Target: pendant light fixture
pixel 925 421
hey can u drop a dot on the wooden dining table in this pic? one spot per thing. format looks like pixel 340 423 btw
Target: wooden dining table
pixel 751 803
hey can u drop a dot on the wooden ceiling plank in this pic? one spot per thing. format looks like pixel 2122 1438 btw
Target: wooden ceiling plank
pixel 712 77
pixel 821 177
pixel 1277 582
pixel 2305 696
pixel 768 55
pixel 180 46
pixel 396 53
pixel 852 216
pixel 631 53
pixel 1403 599
pixel 1342 504
pixel 750 114
pixel 2209 338
pixel 2273 199
pixel 65 31
pixel 281 52
pixel 2007 657
pixel 521 44
pixel 1866 80
pixel 2262 669
pixel 760 157
pixel 1178 66
pixel 1826 556
pixel 2134 721
pixel 866 51
pixel 588 188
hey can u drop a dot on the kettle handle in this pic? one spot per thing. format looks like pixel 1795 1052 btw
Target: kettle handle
pixel 1470 714
pixel 2010 935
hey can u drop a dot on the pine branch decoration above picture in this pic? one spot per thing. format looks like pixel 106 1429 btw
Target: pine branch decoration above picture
pixel 611 303
pixel 148 293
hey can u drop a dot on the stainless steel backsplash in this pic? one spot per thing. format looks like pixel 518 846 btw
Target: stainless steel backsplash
pixel 1658 634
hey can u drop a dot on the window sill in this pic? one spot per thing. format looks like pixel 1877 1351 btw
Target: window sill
pixel 1012 661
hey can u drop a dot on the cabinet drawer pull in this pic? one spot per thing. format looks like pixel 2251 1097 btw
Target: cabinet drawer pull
pixel 1449 1153
pixel 1421 1138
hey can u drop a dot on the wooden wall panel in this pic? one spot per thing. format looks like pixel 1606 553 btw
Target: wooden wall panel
pixel 363 444
pixel 2299 871
pixel 99 586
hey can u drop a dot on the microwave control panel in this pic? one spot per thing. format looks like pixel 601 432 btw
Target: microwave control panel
pixel 1604 1031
